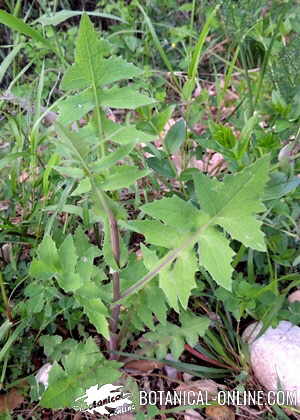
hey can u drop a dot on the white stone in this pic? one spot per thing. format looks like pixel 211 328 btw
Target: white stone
pixel 43 374
pixel 275 356
pixel 294 297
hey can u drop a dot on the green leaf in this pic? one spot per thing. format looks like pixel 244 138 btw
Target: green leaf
pixel 75 107
pixel 109 160
pixel 124 98
pixel 69 281
pixel 95 310
pixel 123 177
pixel 61 16
pixel 90 68
pixel 70 172
pixel 231 204
pixel 175 137
pixel 47 252
pixel 279 185
pixel 83 187
pixel 194 62
pixel 186 214
pixel 216 256
pixel 82 368
pixel 234 203
pixel 124 134
pixel 156 232
pixel 161 166
pixel 18 25
pixel 178 280
pixel 173 337
pixel 150 301
pixel 9 59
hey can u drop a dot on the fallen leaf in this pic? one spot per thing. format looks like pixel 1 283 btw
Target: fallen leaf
pixel 143 365
pixel 192 415
pixel 10 400
pixel 203 385
pixel 124 417
pixel 4 205
pixel 216 412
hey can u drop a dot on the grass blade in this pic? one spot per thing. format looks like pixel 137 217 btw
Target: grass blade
pixel 193 67
pixel 18 25
pixel 9 59
pixel 157 43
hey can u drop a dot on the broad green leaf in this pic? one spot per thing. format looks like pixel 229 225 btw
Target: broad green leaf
pixel 67 254
pixel 124 98
pixel 175 137
pixel 59 17
pixel 178 280
pixel 70 172
pixel 216 256
pixel 279 185
pixel 129 135
pixel 231 204
pixel 185 217
pixel 97 314
pixel 173 337
pixel 82 368
pixel 234 203
pixel 18 25
pixel 75 107
pixel 161 166
pixel 148 302
pixel 161 118
pixel 47 252
pixel 83 187
pixel 109 160
pixel 123 177
pixel 157 233
pixel 90 68
pixel 69 281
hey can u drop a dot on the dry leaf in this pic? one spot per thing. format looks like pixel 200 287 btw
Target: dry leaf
pixel 192 415
pixel 10 401
pixel 216 412
pixel 203 385
pixel 124 417
pixel 4 205
pixel 143 365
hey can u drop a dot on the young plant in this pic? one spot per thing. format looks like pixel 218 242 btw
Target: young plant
pixel 182 236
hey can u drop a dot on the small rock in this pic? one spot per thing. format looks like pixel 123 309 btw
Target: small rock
pixel 43 374
pixel 275 356
pixel 294 297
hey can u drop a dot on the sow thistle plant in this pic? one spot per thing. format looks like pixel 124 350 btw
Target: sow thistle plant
pixel 123 295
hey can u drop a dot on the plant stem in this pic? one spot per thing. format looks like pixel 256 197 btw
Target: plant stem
pixel 164 262
pixel 5 299
pixel 115 246
pixel 248 80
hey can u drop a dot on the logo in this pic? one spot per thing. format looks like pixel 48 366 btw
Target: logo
pixel 108 400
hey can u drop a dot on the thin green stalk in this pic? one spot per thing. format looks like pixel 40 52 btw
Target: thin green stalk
pixel 248 81
pixel 164 262
pixel 157 45
pixel 266 61
pixel 4 298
